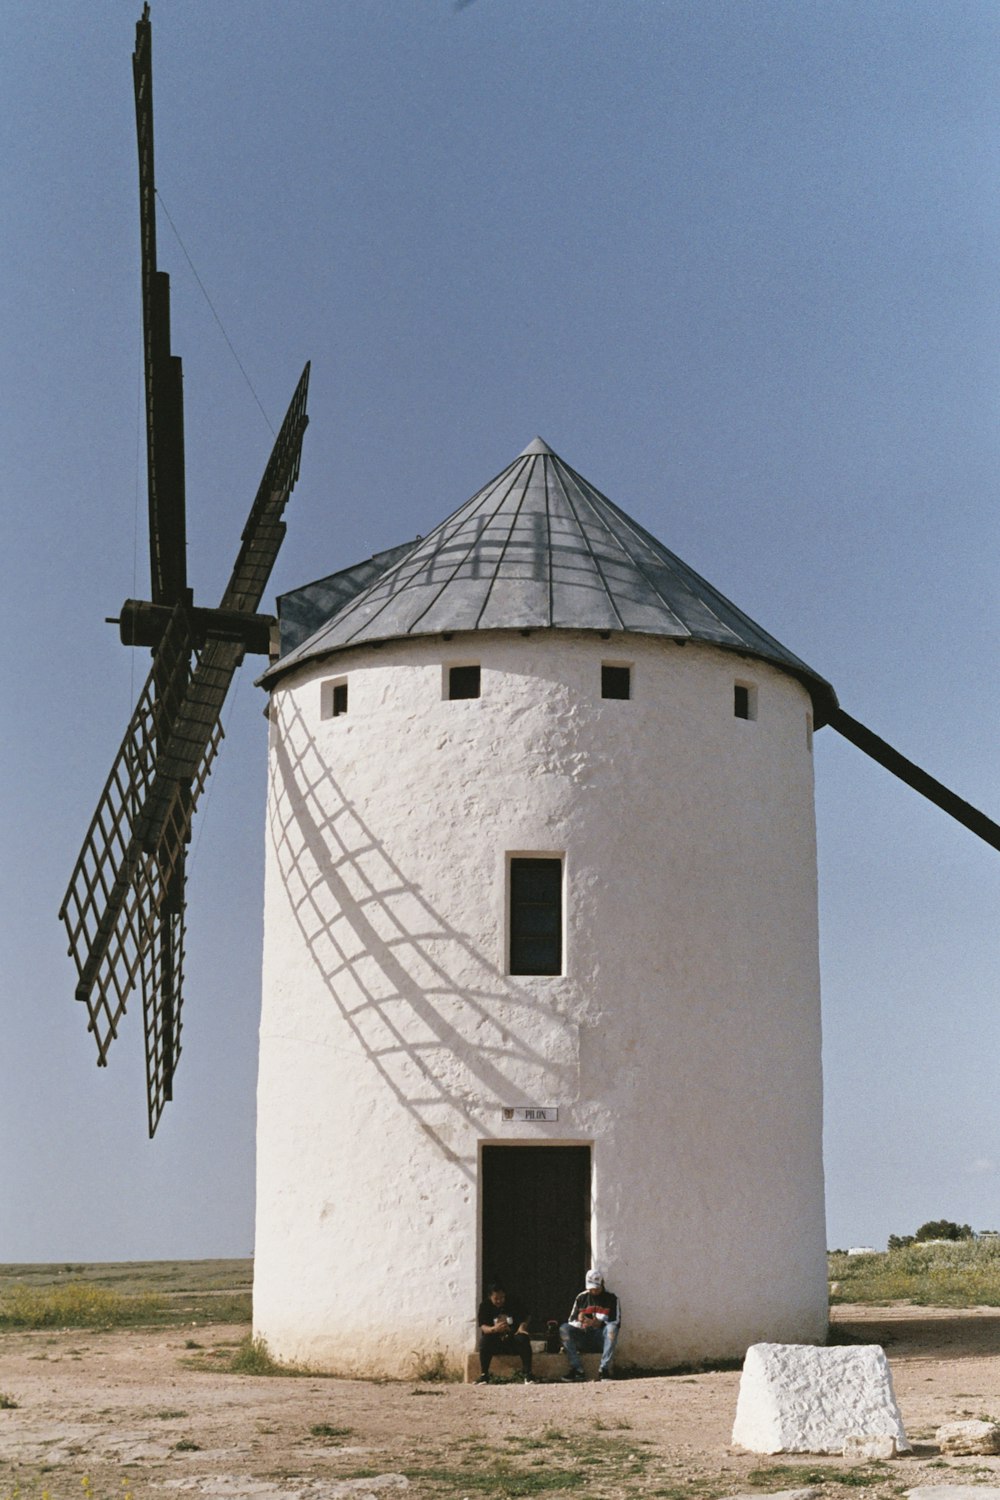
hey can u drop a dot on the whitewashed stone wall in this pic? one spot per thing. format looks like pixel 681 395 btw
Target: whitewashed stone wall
pixel 683 1040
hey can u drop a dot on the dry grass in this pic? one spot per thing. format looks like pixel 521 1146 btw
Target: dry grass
pixel 74 1305
pixel 130 1294
pixel 171 1277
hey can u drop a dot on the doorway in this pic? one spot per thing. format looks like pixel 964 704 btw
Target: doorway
pixel 535 1206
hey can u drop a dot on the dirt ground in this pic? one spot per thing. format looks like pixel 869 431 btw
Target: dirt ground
pixel 132 1414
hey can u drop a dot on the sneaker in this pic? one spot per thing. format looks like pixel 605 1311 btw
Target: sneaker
pixel 482 1379
pixel 605 1375
pixel 528 1379
pixel 573 1377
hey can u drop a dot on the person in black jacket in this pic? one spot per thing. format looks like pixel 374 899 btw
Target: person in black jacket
pixel 503 1329
pixel 592 1328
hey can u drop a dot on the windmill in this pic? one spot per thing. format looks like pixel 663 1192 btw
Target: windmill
pixel 124 906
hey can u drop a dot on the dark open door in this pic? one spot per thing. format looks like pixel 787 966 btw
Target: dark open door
pixel 536 1225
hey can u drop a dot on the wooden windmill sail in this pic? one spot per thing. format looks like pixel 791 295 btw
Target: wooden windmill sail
pixel 124 906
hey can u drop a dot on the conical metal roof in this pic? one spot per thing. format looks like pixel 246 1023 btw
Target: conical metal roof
pixel 536 548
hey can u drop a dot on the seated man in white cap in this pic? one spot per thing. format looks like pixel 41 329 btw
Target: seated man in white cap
pixel 593 1327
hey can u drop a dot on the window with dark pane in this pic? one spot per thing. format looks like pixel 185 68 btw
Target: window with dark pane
pixel 741 701
pixel 463 682
pixel 333 698
pixel 536 916
pixel 616 682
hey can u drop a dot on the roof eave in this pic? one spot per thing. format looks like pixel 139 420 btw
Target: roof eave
pixel 824 699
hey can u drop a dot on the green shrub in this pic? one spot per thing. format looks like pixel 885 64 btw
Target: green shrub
pixel 253 1357
pixel 432 1367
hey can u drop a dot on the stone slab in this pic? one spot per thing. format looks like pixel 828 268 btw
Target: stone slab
pixel 954 1492
pixel 543 1366
pixel 242 1487
pixel 795 1398
pixel 810 1493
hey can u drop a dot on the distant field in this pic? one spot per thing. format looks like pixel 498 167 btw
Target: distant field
pixel 127 1293
pixel 63 1294
pixel 959 1273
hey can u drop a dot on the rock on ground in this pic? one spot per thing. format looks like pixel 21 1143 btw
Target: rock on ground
pixel 968 1437
pixel 870 1447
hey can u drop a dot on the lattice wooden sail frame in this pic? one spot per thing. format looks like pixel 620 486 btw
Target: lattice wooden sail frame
pixel 124 906
pixel 113 909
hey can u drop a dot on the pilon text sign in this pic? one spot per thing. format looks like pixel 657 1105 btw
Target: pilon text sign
pixel 530 1114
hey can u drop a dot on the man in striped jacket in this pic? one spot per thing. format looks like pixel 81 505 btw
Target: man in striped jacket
pixel 592 1328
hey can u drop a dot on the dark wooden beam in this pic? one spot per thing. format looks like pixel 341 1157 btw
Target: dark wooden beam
pixel 163 378
pixel 963 812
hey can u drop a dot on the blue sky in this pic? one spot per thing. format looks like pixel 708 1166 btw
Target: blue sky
pixel 736 262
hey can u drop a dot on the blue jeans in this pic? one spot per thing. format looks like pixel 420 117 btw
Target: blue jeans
pixel 599 1340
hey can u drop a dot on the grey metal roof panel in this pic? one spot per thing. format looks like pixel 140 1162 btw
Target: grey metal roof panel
pixel 302 611
pixel 537 547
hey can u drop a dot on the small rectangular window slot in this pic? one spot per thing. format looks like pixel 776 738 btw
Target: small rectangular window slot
pixel 333 698
pixel 616 680
pixel 536 919
pixel 463 682
pixel 744 700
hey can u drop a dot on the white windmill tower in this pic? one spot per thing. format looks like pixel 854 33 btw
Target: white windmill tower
pixel 540 972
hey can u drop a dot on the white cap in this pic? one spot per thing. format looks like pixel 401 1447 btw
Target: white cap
pixel 594 1278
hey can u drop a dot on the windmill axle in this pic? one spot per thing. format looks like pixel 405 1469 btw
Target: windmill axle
pixel 142 624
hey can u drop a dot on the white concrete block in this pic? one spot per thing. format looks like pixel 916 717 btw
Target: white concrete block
pixel 795 1398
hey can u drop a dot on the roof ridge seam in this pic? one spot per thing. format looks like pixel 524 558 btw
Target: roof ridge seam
pixel 593 554
pixel 531 461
